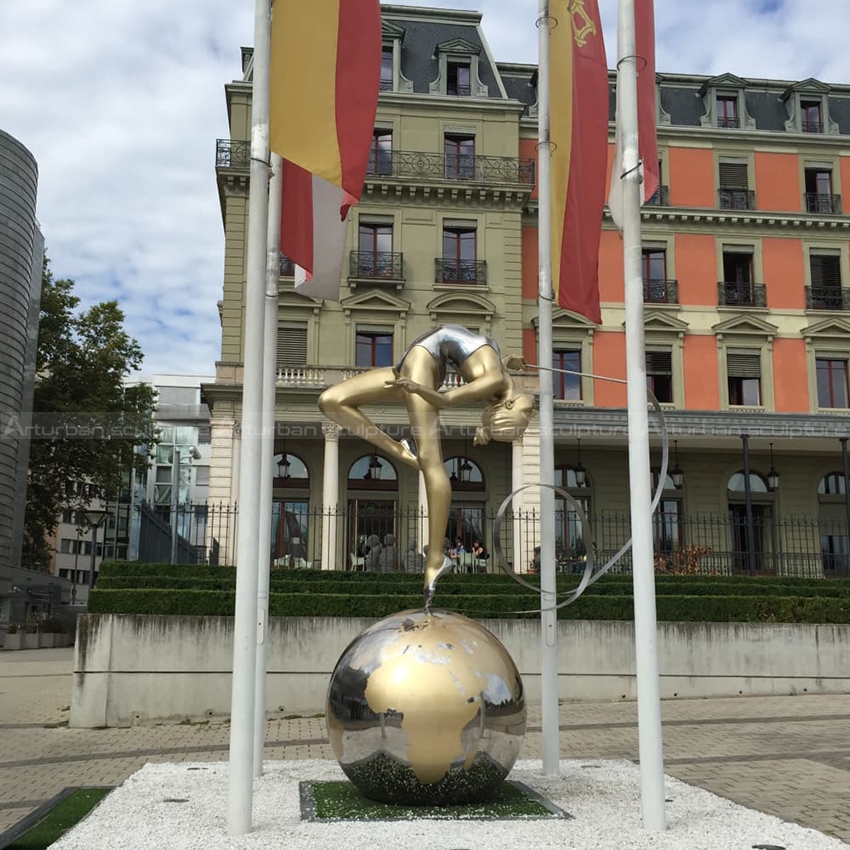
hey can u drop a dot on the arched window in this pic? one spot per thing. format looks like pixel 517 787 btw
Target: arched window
pixel 569 535
pixel 290 471
pixel 667 519
pixel 737 483
pixel 832 485
pixel 464 474
pixel 372 472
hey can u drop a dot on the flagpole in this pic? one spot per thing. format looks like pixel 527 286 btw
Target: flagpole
pixel 640 482
pixel 269 394
pixel 548 581
pixel 250 463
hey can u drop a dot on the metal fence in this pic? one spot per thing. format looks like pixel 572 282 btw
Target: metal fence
pixel 383 536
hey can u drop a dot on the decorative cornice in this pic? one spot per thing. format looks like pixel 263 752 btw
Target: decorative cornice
pixel 431 193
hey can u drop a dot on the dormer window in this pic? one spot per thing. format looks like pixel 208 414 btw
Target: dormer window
pixel 811 116
pixel 387 68
pixel 458 79
pixel 727 111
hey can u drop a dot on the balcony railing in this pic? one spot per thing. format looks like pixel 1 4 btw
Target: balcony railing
pixel 827 298
pixel 437 166
pixel 661 291
pixel 376 265
pixel 458 91
pixel 822 204
pixel 386 85
pixel 731 293
pixel 736 199
pixel 811 126
pixel 660 198
pixel 232 153
pixel 460 271
pixel 729 123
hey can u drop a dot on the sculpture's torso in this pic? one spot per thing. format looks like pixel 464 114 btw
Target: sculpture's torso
pixel 450 345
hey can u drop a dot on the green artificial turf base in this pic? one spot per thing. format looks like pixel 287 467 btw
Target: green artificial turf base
pixel 58 819
pixel 334 801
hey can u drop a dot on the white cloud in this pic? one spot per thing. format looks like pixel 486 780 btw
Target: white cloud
pixel 121 103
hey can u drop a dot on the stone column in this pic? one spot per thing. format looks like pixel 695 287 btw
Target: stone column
pixel 531 500
pixel 330 498
pixel 517 481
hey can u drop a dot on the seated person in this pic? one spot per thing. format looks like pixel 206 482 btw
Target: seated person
pixel 479 551
pixel 458 549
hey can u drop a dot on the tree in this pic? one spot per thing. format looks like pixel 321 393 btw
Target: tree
pixel 87 424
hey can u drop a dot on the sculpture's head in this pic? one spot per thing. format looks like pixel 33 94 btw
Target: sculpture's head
pixel 505 420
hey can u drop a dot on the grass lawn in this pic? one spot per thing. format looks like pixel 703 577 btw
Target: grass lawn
pixel 59 819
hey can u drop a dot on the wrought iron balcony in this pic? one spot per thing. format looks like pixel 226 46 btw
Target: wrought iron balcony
pixel 660 198
pixel 736 199
pixel 661 291
pixel 449 270
pixel 386 85
pixel 376 265
pixel 811 126
pixel 822 204
pixel 437 166
pixel 734 293
pixel 458 91
pixel 729 123
pixel 287 266
pixel 827 298
pixel 232 153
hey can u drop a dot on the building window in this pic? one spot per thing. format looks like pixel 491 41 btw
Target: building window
pixel 811 116
pixel 819 197
pixel 738 287
pixel 832 484
pixel 570 546
pixel 659 375
pixel 567 387
pixel 826 290
pixel 291 346
pixel 460 156
pixel 655 275
pixel 727 110
pixel 374 250
pixel 458 79
pixel 387 68
pixel 734 186
pixel 737 266
pixel 374 349
pixel 381 153
pixel 459 255
pixel 832 383
pixel 744 379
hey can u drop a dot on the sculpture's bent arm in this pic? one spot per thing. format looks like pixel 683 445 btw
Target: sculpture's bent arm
pixel 483 388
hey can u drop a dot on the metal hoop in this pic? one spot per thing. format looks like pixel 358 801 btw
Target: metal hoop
pixel 588 577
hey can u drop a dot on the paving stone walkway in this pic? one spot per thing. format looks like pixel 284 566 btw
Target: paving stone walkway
pixel 788 756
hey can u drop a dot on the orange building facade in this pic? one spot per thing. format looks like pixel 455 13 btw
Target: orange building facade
pixel 747 313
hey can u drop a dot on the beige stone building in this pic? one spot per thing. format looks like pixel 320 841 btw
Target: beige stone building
pixel 748 340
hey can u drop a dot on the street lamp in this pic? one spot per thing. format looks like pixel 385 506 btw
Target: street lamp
pixel 283 467
pixel 580 471
pixel 465 469
pixel 95 518
pixel 375 468
pixel 677 473
pixel 772 474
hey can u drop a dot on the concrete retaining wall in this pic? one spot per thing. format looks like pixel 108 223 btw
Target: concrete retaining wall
pixel 142 669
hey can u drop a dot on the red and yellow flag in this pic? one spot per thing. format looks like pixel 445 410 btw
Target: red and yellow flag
pixel 325 77
pixel 579 132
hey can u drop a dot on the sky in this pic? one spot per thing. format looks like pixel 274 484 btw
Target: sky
pixel 121 103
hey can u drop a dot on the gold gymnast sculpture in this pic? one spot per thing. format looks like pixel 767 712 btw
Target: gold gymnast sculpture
pixel 416 380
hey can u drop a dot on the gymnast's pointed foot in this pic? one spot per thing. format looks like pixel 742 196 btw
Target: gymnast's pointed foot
pixel 431 576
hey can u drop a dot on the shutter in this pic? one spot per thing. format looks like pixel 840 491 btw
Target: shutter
pixel 826 271
pixel 291 344
pixel 733 175
pixel 204 435
pixel 659 363
pixel 743 365
pixel 832 355
pixel 202 476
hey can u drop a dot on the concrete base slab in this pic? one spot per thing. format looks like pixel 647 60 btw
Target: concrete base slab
pixel 184 807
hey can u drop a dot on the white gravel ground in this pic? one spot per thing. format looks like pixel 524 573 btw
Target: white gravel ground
pixel 602 796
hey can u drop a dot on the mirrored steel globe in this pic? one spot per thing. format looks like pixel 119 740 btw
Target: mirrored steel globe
pixel 426 708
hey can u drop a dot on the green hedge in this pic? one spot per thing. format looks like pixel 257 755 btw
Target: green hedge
pixel 461 585
pixel 765 608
